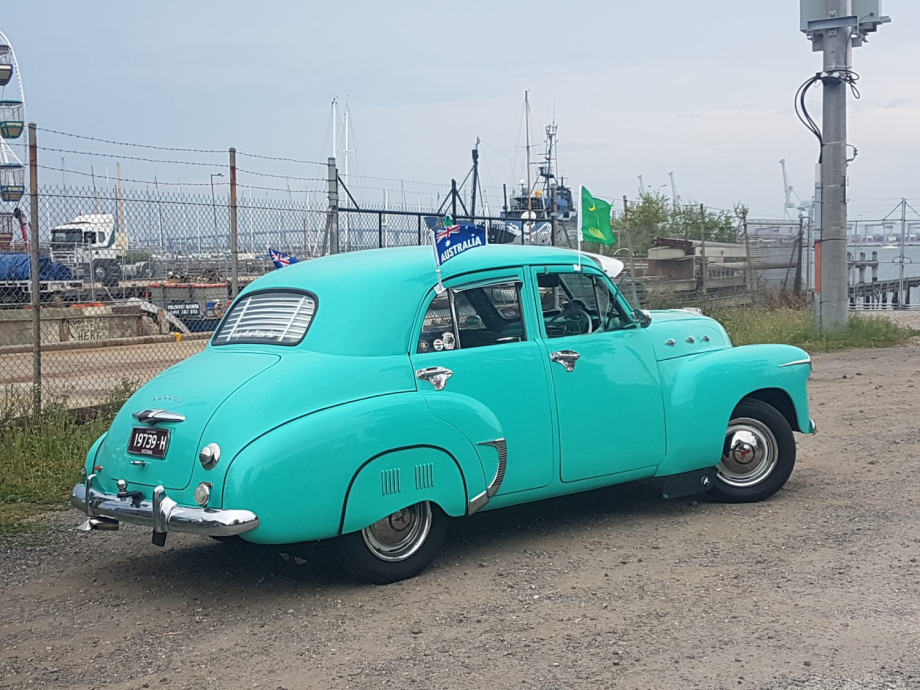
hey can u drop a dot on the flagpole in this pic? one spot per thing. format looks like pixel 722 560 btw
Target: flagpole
pixel 581 202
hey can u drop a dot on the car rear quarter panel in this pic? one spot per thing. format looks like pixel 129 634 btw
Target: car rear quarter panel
pixel 701 391
pixel 300 477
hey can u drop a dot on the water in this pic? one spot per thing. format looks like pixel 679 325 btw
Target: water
pixel 888 262
pixel 889 267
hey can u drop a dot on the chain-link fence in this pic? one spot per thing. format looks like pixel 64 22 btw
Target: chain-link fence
pixel 132 281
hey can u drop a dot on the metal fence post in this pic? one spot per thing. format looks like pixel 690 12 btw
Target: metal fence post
pixel 234 244
pixel 332 220
pixel 34 274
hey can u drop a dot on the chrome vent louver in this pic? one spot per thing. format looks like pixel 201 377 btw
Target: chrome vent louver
pixel 268 317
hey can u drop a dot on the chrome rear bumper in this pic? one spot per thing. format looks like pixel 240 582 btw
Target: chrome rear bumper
pixel 162 513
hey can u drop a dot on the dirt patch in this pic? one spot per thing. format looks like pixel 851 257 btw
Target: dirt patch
pixel 817 588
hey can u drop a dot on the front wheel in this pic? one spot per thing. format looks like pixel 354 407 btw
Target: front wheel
pixel 758 454
pixel 397 547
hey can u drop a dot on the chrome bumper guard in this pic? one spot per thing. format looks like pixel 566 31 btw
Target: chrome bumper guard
pixel 162 513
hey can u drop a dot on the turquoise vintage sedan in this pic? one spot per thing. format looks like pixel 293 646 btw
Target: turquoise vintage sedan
pixel 352 397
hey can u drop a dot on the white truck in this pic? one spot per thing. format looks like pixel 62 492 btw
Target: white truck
pixel 87 246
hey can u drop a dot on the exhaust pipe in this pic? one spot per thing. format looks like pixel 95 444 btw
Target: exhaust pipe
pixel 100 523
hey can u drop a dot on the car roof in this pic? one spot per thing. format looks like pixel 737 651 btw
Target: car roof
pixel 411 263
pixel 368 300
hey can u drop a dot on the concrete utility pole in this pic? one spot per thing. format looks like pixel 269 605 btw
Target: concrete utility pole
pixel 835 27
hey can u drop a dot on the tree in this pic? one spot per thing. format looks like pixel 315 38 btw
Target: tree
pixel 655 216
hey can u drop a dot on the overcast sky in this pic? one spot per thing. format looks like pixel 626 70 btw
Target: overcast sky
pixel 704 89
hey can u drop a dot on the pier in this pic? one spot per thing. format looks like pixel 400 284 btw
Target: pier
pixel 874 293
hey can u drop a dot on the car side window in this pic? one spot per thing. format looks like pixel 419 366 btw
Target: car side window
pixel 463 318
pixel 438 331
pixel 489 315
pixel 577 304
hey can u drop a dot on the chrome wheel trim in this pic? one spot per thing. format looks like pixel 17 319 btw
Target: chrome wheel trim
pixel 749 454
pixel 400 535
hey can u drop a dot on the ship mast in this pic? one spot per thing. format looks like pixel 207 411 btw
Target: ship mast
pixel 527 126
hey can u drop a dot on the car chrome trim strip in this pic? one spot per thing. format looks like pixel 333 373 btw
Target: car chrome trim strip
pixel 796 363
pixel 477 503
pixel 155 415
pixel 162 513
pixel 501 445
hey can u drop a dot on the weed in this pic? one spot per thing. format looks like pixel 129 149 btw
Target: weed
pixel 797 327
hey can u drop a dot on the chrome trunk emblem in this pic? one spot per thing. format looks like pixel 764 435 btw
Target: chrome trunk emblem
pixel 157 415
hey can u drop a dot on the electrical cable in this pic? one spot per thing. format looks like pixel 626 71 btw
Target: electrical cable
pixel 847 76
pixel 801 110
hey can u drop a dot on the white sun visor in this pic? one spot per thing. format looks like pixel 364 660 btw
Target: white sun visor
pixel 612 267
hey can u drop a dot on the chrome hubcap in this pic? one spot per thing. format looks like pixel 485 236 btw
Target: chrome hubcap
pixel 749 454
pixel 400 535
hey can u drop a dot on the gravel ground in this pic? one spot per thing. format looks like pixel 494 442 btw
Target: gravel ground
pixel 817 588
pixel 906 318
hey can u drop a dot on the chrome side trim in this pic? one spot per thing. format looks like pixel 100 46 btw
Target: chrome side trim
pixel 162 513
pixel 796 363
pixel 155 415
pixel 477 503
pixel 502 447
pixel 480 501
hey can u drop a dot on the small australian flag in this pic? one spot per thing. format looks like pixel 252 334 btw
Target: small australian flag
pixel 280 259
pixel 452 240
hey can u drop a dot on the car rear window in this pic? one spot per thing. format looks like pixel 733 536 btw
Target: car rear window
pixel 276 317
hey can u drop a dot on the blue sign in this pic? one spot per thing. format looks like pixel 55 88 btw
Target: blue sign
pixel 452 240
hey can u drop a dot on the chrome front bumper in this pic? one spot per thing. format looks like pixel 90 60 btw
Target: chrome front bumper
pixel 162 513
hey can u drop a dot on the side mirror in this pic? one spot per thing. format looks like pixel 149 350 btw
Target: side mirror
pixel 643 317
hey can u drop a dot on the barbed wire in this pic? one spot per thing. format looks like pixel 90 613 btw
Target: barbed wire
pixel 127 179
pixel 282 177
pixel 184 184
pixel 126 143
pixel 278 158
pixel 129 158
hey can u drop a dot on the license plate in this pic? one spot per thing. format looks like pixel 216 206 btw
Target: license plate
pixel 149 441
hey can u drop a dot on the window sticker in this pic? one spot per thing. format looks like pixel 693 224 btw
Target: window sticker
pixel 438 345
pixel 423 346
pixel 449 341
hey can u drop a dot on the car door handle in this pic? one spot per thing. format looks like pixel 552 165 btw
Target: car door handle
pixel 436 376
pixel 566 358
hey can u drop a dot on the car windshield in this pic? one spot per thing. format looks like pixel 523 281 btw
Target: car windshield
pixel 68 236
pixel 279 317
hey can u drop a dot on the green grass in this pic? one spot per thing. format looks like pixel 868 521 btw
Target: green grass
pixel 797 327
pixel 40 459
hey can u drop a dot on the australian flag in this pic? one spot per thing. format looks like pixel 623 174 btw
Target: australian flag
pixel 280 259
pixel 452 240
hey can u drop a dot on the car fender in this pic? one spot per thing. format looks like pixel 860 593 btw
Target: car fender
pixel 475 421
pixel 299 477
pixel 701 391
pixel 400 478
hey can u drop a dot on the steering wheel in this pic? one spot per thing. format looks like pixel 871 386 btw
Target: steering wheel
pixel 579 317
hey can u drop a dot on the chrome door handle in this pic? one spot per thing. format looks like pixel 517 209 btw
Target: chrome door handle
pixel 566 358
pixel 436 376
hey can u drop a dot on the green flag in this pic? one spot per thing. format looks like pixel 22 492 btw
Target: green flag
pixel 595 220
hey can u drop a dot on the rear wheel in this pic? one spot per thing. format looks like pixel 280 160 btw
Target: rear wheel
pixel 397 547
pixel 758 454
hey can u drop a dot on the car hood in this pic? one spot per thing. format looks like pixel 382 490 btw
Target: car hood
pixel 231 395
pixel 678 333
